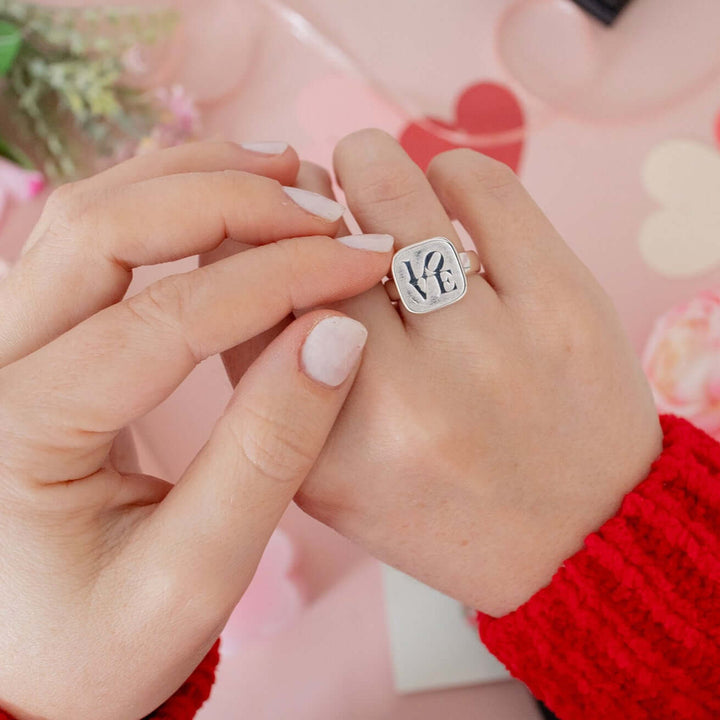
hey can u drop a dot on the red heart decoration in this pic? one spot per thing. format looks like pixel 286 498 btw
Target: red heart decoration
pixel 485 109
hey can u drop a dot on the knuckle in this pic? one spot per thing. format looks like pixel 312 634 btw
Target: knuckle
pixel 63 197
pixel 164 305
pixel 63 210
pixel 547 308
pixel 492 177
pixel 350 144
pixel 276 449
pixel 397 186
pixel 451 160
pixel 287 257
pixel 465 169
pixel 563 335
pixel 75 217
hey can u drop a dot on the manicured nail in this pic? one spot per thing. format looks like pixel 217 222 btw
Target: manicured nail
pixel 376 243
pixel 316 204
pixel 266 148
pixel 332 349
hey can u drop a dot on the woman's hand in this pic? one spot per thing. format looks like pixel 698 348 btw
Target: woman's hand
pixel 115 586
pixel 481 443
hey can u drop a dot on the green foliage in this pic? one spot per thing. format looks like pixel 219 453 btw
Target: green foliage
pixel 64 83
pixel 10 42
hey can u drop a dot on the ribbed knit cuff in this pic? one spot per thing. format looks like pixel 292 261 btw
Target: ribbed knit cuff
pixel 185 703
pixel 192 695
pixel 629 627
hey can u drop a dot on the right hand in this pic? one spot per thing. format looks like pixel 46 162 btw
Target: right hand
pixel 483 442
pixel 115 585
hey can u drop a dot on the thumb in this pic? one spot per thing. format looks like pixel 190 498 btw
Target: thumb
pixel 210 531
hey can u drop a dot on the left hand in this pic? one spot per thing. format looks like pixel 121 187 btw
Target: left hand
pixel 115 584
pixel 481 443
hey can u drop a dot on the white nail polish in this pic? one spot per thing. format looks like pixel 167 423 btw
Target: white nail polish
pixel 332 349
pixel 266 148
pixel 316 204
pixel 376 243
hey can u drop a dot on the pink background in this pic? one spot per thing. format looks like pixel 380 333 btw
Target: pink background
pixel 588 130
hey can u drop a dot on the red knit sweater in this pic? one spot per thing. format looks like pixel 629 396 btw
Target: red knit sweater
pixel 629 627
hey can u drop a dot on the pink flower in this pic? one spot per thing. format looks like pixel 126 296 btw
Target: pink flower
pixel 181 106
pixel 18 183
pixel 179 121
pixel 682 362
pixel 134 61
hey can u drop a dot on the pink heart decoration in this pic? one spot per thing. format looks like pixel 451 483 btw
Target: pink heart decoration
pixel 488 119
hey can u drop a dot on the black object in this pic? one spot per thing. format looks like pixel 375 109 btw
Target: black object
pixel 547 714
pixel 606 11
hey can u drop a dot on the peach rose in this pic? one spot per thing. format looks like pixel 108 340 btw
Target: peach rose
pixel 682 362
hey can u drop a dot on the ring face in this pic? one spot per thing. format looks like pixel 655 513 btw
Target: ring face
pixel 429 275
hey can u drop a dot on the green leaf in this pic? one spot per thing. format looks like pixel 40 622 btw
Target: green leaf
pixel 10 42
pixel 12 153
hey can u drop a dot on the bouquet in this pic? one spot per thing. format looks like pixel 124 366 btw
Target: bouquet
pixel 68 97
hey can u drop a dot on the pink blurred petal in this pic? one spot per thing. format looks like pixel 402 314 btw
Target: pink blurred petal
pixel 3 202
pixel 21 184
pixel 682 363
pixel 179 121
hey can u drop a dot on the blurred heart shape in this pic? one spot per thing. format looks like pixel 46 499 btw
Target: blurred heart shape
pixel 220 39
pixel 488 118
pixel 658 54
pixel 682 238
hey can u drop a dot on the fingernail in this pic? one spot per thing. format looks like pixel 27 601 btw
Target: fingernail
pixel 332 349
pixel 316 204
pixel 376 243
pixel 266 148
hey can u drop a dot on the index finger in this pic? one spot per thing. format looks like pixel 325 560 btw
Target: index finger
pixel 205 156
pixel 85 263
pixel 122 362
pixel 278 161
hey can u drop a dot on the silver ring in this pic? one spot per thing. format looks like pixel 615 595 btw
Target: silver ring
pixel 428 276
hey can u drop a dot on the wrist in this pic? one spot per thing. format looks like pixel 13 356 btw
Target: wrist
pixel 636 606
pixel 564 513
